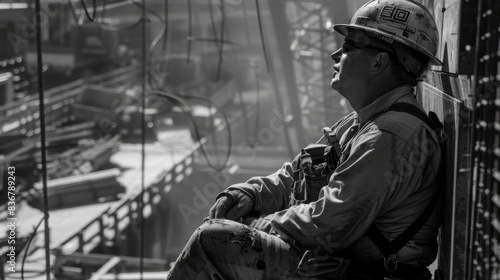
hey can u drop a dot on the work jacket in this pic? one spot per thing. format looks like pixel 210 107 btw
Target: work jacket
pixel 387 180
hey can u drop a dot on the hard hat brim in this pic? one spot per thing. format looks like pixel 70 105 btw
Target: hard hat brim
pixel 344 30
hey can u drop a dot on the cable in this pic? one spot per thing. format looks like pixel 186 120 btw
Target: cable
pixel 166 26
pixel 28 247
pixel 264 50
pixel 226 121
pixel 220 49
pixel 178 100
pixel 84 6
pixel 42 135
pixel 190 31
pixel 214 31
pixel 241 102
pixel 247 30
pixel 145 64
pixel 247 37
pixel 212 20
pixel 221 45
pixel 154 43
pixel 257 109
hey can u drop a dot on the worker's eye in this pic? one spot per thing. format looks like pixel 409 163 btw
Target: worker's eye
pixel 348 46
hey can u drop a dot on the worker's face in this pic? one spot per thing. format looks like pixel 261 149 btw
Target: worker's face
pixel 351 67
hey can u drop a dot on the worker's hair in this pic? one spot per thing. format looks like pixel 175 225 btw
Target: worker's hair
pixel 400 73
pixel 397 69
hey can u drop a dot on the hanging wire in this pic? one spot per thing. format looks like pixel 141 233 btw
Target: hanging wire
pixel 228 128
pixel 264 50
pixel 241 102
pixel 220 40
pixel 257 108
pixel 221 45
pixel 247 30
pixel 190 31
pixel 145 63
pixel 212 20
pixel 94 11
pixel 154 43
pixel 28 247
pixel 214 32
pixel 242 105
pixel 43 143
pixel 219 64
pixel 166 26
pixel 197 16
pixel 179 100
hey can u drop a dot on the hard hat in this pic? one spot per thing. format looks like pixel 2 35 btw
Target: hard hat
pixel 403 21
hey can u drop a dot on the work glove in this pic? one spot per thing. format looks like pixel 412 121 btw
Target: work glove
pixel 232 205
pixel 262 223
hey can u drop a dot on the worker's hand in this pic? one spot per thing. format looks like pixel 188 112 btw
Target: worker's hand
pixel 263 223
pixel 232 205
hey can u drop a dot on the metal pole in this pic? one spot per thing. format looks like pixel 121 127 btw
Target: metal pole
pixel 282 31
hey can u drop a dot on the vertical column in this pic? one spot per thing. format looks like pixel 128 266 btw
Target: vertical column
pixel 282 33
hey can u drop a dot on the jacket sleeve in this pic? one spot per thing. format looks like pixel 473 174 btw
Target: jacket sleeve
pixel 357 192
pixel 270 193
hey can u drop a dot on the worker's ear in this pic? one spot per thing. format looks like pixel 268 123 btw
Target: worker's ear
pixel 380 62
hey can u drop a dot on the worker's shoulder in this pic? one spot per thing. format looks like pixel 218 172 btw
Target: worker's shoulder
pixel 402 124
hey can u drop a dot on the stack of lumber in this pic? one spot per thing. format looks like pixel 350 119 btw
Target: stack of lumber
pixel 81 189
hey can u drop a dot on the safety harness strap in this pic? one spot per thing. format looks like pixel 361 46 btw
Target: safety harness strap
pixel 389 249
pixel 416 112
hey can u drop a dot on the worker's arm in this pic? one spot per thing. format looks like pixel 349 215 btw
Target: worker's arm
pixel 370 182
pixel 263 195
pixel 272 193
pixel 260 195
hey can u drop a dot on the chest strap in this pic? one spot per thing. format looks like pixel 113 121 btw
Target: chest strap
pixel 390 248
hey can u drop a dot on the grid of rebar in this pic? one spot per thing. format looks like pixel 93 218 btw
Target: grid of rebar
pixel 485 235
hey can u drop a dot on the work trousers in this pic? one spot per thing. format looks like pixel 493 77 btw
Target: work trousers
pixel 226 250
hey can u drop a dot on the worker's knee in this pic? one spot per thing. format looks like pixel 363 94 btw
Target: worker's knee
pixel 217 234
pixel 220 230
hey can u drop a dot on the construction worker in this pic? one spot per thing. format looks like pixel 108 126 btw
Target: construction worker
pixel 387 174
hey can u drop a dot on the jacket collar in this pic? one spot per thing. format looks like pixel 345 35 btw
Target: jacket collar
pixel 381 104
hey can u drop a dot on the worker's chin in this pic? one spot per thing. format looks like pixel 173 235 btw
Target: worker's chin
pixel 334 83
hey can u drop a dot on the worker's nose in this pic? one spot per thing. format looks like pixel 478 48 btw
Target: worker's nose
pixel 336 55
